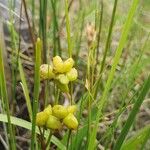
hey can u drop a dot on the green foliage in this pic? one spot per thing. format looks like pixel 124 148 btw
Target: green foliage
pixel 108 44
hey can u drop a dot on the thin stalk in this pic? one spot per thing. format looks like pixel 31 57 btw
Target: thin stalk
pixel 36 89
pixel 64 17
pixel 116 59
pixel 56 38
pixel 78 47
pixel 99 36
pixel 33 12
pixel 109 36
pixel 43 27
pixel 68 29
pixel 14 53
pixel 48 143
pixel 30 29
pixel 68 140
pixel 5 98
pixel 132 115
pixel 107 45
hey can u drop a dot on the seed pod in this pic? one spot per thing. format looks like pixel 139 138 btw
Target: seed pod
pixel 58 64
pixel 72 109
pixel 63 87
pixel 41 118
pixel 62 78
pixel 68 64
pixel 70 121
pixel 46 72
pixel 60 111
pixel 53 123
pixel 48 110
pixel 72 74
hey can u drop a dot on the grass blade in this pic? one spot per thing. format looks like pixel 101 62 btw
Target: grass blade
pixel 36 88
pixel 68 29
pixel 25 89
pixel 27 125
pixel 5 96
pixel 132 115
pixel 113 69
pixel 137 139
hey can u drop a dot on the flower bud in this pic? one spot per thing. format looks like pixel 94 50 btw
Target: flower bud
pixel 53 123
pixel 70 121
pixel 63 87
pixel 41 118
pixel 48 110
pixel 60 111
pixel 72 109
pixel 72 74
pixel 62 78
pixel 46 72
pixel 68 64
pixel 58 64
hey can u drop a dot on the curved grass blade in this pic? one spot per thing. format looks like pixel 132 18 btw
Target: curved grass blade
pixel 38 50
pixel 132 115
pixel 136 141
pixel 4 94
pixel 113 69
pixel 27 125
pixel 25 89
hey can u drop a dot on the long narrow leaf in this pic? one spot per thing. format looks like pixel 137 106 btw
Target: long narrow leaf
pixel 113 69
pixel 136 141
pixel 25 89
pixel 4 93
pixel 27 125
pixel 36 88
pixel 132 115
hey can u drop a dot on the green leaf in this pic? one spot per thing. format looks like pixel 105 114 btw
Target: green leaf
pixel 137 140
pixel 132 115
pixel 27 125
pixel 25 89
pixel 116 59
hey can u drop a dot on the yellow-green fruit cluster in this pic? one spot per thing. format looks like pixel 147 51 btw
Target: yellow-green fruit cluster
pixel 54 118
pixel 61 71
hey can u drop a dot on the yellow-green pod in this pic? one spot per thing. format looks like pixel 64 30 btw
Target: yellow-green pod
pixel 41 119
pixel 72 109
pixel 70 121
pixel 46 72
pixel 60 111
pixel 48 110
pixel 53 123
pixel 62 78
pixel 63 87
pixel 68 64
pixel 72 74
pixel 58 64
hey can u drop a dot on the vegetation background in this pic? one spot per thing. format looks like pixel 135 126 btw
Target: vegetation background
pixel 109 42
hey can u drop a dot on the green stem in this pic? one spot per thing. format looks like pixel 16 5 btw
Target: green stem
pixel 109 36
pixel 56 38
pixel 5 98
pixel 132 115
pixel 68 140
pixel 68 29
pixel 36 89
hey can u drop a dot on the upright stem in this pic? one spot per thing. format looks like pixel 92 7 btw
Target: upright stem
pixel 109 36
pixel 36 90
pixel 5 97
pixel 68 29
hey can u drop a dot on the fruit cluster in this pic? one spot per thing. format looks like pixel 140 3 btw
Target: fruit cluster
pixel 54 117
pixel 62 72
